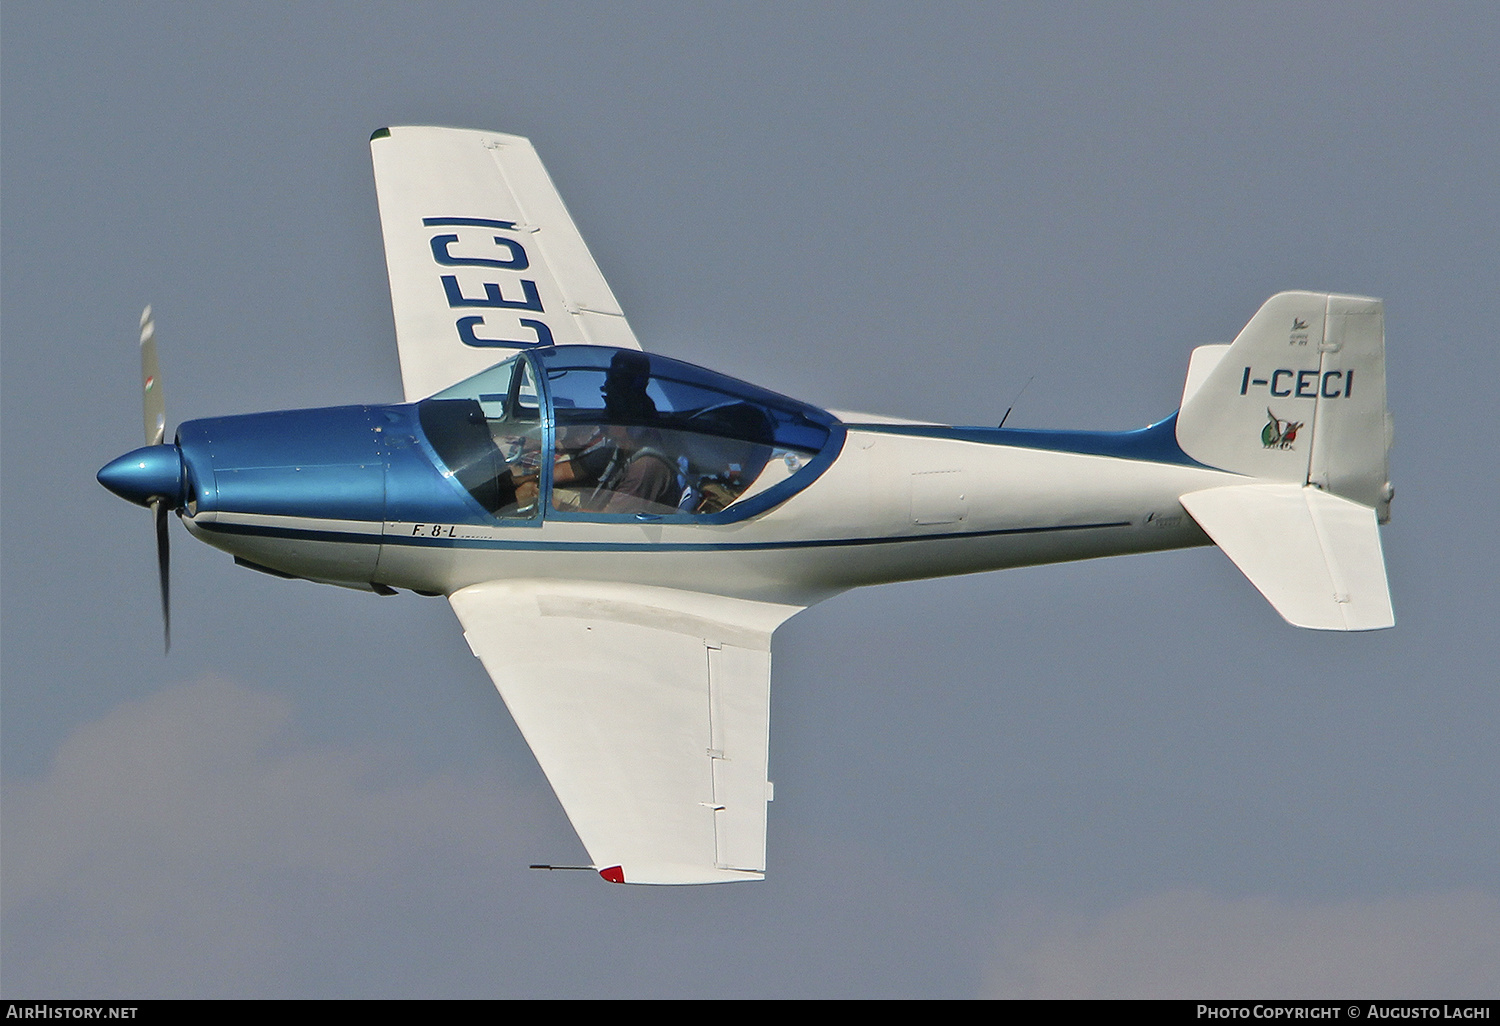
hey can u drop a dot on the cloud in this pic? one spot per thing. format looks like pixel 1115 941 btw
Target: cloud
pixel 192 844
pixel 1190 944
pixel 195 844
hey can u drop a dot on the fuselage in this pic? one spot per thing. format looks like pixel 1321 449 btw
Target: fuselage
pixel 363 497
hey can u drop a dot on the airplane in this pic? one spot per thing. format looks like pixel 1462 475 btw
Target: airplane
pixel 620 533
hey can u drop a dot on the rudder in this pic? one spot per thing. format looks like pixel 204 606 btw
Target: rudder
pixel 1299 397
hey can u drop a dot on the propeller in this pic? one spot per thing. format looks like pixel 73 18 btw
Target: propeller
pixel 154 408
pixel 152 476
pixel 163 572
pixel 154 405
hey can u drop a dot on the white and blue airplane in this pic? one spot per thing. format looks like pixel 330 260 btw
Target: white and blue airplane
pixel 620 533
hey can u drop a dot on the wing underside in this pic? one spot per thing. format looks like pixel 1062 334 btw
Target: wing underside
pixel 648 710
pixel 483 257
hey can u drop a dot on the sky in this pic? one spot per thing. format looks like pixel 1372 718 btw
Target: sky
pixel 1127 777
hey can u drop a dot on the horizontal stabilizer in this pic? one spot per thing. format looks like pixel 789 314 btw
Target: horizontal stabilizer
pixel 1314 556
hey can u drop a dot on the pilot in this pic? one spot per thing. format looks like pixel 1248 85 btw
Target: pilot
pixel 624 457
pixel 640 479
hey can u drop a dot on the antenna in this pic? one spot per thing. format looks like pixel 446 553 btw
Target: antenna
pixel 1017 399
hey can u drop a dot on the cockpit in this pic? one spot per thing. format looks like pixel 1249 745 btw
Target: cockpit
pixel 588 432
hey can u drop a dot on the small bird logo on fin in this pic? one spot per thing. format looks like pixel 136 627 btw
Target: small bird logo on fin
pixel 1278 433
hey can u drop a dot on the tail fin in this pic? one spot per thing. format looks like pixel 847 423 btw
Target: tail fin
pixel 1299 396
pixel 1297 402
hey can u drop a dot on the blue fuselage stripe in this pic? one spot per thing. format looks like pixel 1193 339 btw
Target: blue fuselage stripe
pixel 572 546
pixel 1154 444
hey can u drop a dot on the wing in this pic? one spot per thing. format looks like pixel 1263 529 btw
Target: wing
pixel 649 711
pixel 482 255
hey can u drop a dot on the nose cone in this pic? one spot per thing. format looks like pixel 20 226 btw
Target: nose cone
pixel 146 475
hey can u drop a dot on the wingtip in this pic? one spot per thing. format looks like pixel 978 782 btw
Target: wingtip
pixel 380 133
pixel 614 874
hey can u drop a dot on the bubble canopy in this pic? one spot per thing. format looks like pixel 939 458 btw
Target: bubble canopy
pixel 589 432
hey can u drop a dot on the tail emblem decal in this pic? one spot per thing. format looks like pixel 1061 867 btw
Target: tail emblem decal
pixel 1278 433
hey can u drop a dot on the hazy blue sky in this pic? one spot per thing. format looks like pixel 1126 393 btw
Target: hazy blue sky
pixel 1128 777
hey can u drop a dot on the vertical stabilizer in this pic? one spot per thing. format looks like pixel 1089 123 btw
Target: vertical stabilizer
pixel 1299 397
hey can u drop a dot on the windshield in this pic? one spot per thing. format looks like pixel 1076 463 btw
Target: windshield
pixel 487 430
